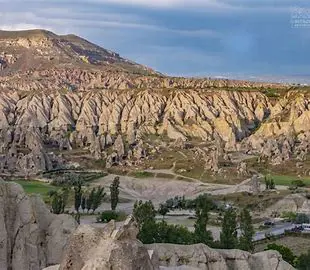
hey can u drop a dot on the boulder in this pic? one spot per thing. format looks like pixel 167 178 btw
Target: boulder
pixel 107 248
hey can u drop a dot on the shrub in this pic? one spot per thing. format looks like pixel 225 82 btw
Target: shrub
pixel 298 183
pixel 289 215
pixel 286 253
pixel 302 218
pixel 109 215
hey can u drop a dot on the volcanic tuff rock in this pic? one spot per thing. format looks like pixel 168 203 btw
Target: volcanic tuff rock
pixel 109 248
pixel 32 124
pixel 61 93
pixel 30 236
pixel 202 257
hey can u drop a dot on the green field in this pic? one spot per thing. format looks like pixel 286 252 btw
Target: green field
pixel 36 187
pixel 286 180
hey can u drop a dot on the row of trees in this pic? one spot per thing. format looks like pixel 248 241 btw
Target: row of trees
pixel 84 198
pixel 229 238
pixel 151 231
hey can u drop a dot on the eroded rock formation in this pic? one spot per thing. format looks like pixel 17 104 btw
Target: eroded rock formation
pixel 61 93
pixel 109 248
pixel 30 236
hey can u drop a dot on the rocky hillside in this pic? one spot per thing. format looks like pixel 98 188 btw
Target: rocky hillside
pixel 61 95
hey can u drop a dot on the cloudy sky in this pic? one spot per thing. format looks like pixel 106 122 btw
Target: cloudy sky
pixel 182 37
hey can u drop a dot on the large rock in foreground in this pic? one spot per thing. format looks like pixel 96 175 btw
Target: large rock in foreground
pixel 202 257
pixel 30 236
pixel 107 248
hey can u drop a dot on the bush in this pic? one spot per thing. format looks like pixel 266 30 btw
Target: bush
pixel 302 218
pixel 286 253
pixel 298 183
pixel 291 216
pixel 109 215
pixel 303 262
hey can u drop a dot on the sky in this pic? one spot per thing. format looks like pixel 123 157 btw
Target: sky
pixel 229 38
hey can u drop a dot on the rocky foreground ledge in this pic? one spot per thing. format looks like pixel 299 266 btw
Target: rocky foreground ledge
pixel 33 238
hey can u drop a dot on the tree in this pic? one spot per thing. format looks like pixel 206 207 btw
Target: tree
pixel 114 191
pixel 302 218
pixel 163 209
pixel 98 196
pixel 203 206
pixel 247 231
pixel 303 261
pixel 269 183
pixel 77 186
pixel 83 203
pixel 90 199
pixel 144 212
pixel 272 184
pixel 59 200
pixel 229 236
pixel 286 253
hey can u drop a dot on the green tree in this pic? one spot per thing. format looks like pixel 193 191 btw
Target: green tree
pixel 83 203
pixel 90 199
pixel 286 253
pixel 229 236
pixel 272 184
pixel 144 212
pixel 302 218
pixel 267 182
pixel 77 186
pixel 303 261
pixel 203 205
pixel 114 191
pixel 59 200
pixel 163 209
pixel 98 196
pixel 247 231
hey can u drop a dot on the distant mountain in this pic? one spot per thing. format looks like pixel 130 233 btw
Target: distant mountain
pixel 41 49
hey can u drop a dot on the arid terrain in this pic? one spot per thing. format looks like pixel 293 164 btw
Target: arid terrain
pixel 70 106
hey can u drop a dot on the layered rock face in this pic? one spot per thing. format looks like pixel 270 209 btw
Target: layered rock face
pixel 30 236
pixel 110 248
